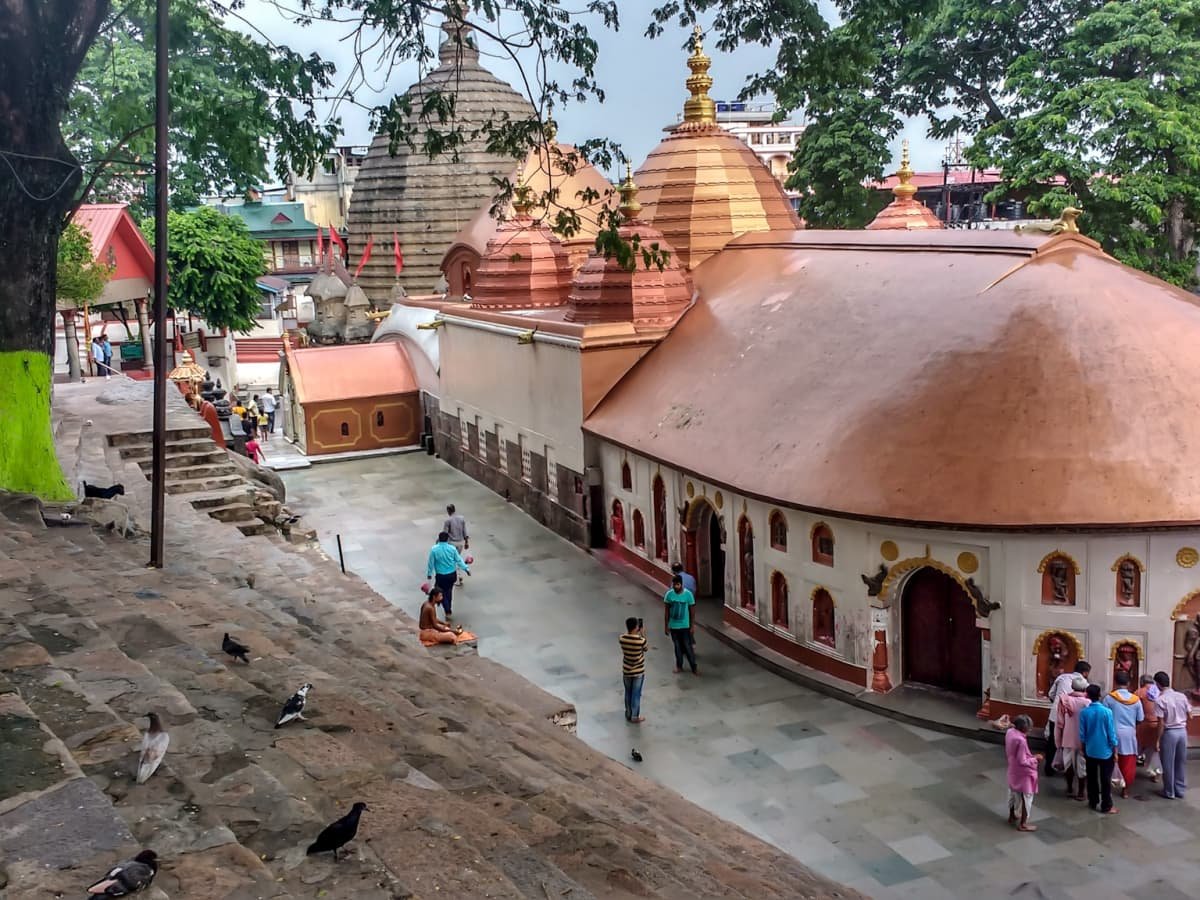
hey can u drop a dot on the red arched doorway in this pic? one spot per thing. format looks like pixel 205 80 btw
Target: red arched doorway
pixel 703 555
pixel 942 646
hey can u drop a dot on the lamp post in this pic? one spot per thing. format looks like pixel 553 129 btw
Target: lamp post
pixel 161 138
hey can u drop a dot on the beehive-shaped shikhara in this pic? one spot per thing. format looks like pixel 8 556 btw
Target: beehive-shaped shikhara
pixel 426 201
pixel 702 186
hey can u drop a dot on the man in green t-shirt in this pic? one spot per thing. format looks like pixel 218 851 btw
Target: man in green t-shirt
pixel 680 624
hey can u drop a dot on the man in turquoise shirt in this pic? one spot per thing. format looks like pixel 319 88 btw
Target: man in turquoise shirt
pixel 444 563
pixel 1098 734
pixel 680 626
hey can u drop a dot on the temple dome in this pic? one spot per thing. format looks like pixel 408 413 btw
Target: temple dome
pixel 702 186
pixel 427 201
pixel 604 291
pixel 906 211
pixel 525 265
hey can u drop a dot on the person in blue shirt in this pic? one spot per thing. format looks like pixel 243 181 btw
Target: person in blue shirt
pixel 689 581
pixel 679 623
pixel 444 563
pixel 1098 734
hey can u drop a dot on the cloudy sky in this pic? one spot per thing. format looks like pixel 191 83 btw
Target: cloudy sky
pixel 643 79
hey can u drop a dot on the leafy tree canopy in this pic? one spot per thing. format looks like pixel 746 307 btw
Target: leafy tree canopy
pixel 81 277
pixel 212 264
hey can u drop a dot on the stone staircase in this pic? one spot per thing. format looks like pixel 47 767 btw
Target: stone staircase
pixel 473 791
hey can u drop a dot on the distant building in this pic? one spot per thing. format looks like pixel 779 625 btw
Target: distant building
pixel 288 236
pixel 326 195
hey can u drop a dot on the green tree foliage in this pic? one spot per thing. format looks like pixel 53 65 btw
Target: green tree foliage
pixel 81 277
pixel 1094 103
pixel 212 264
pixel 236 104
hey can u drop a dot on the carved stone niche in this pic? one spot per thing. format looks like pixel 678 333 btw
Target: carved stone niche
pixel 1185 663
pixel 1059 573
pixel 1056 652
pixel 1128 571
pixel 1126 656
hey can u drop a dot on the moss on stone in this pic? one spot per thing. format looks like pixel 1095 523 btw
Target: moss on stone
pixel 28 463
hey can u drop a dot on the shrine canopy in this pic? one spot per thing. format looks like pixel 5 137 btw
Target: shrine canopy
pixel 118 242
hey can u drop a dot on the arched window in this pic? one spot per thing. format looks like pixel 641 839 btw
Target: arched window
pixel 822 544
pixel 822 617
pixel 1058 579
pixel 617 522
pixel 660 518
pixel 779 600
pixel 746 557
pixel 379 419
pixel 626 477
pixel 639 530
pixel 778 530
pixel 345 429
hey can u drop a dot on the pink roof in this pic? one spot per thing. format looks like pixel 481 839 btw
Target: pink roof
pixel 111 225
pixel 350 371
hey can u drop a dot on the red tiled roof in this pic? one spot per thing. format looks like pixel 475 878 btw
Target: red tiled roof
pixel 103 221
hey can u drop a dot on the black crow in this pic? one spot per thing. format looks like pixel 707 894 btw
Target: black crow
pixel 340 833
pixel 234 649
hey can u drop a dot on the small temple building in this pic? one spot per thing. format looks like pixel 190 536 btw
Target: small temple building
pixel 958 460
pixel 427 201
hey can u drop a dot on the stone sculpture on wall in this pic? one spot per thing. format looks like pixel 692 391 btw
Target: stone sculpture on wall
pixel 1058 580
pixel 1125 659
pixel 1191 657
pixel 874 582
pixel 1056 652
pixel 1127 583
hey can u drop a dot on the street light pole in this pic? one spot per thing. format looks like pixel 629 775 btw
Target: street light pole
pixel 161 138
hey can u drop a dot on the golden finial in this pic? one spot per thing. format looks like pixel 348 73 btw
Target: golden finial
pixel 904 190
pixel 629 203
pixel 550 130
pixel 522 201
pixel 699 108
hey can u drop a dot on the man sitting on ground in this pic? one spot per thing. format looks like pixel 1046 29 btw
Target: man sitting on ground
pixel 432 629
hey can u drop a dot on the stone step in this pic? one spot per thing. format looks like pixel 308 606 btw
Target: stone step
pixel 231 512
pixel 251 529
pixel 203 485
pixel 146 438
pixel 212 499
pixel 214 455
pixel 207 470
pixel 141 452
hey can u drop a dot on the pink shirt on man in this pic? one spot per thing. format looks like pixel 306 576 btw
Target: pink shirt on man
pixel 1067 708
pixel 1173 708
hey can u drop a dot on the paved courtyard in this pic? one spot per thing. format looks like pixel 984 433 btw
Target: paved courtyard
pixel 889 809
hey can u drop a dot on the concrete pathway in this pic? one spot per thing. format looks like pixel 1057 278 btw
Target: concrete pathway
pixel 886 808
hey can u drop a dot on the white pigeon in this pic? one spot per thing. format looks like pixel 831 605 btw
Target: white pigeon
pixel 294 708
pixel 154 748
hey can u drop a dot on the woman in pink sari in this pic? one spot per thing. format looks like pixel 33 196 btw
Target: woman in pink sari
pixel 1022 773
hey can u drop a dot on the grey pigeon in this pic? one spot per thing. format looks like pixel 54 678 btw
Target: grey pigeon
pixel 337 835
pixel 154 748
pixel 130 877
pixel 637 757
pixel 294 708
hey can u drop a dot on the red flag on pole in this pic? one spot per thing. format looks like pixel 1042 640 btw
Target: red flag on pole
pixel 396 252
pixel 366 255
pixel 335 238
pixel 320 247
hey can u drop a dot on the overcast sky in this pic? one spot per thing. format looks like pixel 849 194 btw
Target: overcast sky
pixel 643 80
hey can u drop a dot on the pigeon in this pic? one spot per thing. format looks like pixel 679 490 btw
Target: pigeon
pixel 130 877
pixel 637 757
pixel 154 748
pixel 338 834
pixel 234 649
pixel 294 708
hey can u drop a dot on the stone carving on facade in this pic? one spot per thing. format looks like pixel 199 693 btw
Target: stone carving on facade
pixel 1127 573
pixel 1126 657
pixel 983 606
pixel 1191 656
pixel 1056 652
pixel 1058 579
pixel 874 582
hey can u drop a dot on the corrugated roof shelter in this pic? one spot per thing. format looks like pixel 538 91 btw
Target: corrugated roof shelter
pixel 351 397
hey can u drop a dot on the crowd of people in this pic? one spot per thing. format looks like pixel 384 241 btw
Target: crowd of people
pixel 252 422
pixel 101 353
pixel 1097 742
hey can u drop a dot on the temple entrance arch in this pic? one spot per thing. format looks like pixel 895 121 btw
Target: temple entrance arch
pixel 941 646
pixel 703 553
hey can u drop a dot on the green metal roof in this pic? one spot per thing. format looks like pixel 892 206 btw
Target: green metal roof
pixel 268 221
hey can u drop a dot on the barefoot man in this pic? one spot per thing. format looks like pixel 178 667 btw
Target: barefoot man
pixel 431 627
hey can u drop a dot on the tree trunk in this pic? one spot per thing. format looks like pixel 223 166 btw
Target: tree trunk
pixel 1179 236
pixel 42 45
pixel 71 339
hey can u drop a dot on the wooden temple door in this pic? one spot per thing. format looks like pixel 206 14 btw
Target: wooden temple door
pixel 941 644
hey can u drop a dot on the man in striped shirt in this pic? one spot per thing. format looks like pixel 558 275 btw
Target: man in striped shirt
pixel 633 668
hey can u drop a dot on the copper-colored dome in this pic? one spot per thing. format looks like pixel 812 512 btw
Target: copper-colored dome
pixel 525 266
pixel 604 291
pixel 906 211
pixel 703 186
pixel 942 377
